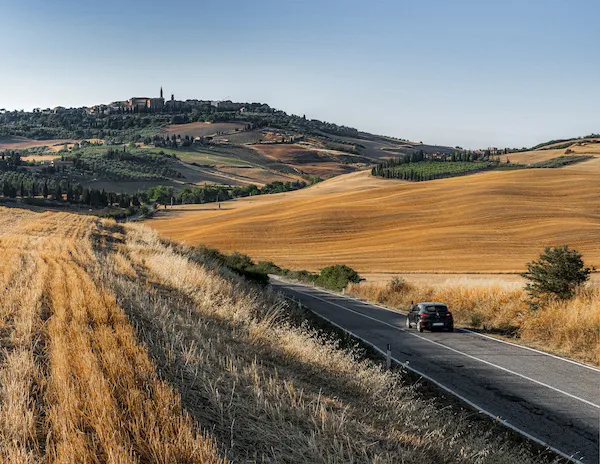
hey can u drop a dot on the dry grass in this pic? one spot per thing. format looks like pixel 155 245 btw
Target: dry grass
pixel 274 391
pixel 587 147
pixel 76 385
pixel 488 222
pixel 564 327
pixel 118 347
pixel 22 143
pixel 312 162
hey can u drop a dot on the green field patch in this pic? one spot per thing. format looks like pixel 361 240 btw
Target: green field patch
pixel 429 170
pixel 205 156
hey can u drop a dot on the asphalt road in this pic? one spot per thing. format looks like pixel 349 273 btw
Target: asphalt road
pixel 550 399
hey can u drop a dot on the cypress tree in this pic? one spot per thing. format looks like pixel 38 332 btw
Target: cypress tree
pixel 57 191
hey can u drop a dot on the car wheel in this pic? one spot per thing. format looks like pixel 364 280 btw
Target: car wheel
pixel 450 328
pixel 407 323
pixel 419 326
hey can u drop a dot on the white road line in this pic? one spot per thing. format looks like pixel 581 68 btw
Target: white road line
pixel 592 368
pixel 459 396
pixel 397 311
pixel 452 349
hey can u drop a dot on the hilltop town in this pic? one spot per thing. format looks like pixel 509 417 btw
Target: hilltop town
pixel 160 104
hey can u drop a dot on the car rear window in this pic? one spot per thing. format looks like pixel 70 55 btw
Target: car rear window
pixel 434 308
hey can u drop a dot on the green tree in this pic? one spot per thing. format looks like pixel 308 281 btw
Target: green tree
pixel 57 194
pixel 337 277
pixel 556 274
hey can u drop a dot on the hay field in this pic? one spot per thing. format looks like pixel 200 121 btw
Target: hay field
pixel 119 347
pixel 40 157
pixel 75 383
pixel 488 222
pixel 311 162
pixel 22 143
pixel 255 175
pixel 534 156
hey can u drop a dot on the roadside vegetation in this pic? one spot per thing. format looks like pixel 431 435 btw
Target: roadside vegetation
pixel 121 347
pixel 556 312
pixel 335 277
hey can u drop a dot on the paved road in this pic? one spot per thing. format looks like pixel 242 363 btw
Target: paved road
pixel 554 400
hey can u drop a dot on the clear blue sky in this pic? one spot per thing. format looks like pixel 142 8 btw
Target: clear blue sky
pixel 469 73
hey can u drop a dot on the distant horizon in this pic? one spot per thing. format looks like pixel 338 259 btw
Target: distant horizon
pixel 425 142
pixel 464 73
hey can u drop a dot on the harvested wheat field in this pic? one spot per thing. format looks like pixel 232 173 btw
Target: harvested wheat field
pixel 119 347
pixel 311 162
pixel 23 143
pixel 487 222
pixel 588 147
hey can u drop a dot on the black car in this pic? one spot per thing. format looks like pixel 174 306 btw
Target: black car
pixel 430 316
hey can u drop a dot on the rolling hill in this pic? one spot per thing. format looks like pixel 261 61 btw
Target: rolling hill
pixel 117 346
pixel 487 222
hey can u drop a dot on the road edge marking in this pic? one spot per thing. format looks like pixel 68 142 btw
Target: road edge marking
pixel 452 392
pixel 397 311
pixel 455 350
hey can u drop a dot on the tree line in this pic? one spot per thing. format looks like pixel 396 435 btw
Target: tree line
pixel 216 193
pixel 417 166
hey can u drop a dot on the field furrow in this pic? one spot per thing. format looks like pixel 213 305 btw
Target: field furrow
pixel 75 383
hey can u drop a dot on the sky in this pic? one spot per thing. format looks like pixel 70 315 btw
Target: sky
pixel 460 73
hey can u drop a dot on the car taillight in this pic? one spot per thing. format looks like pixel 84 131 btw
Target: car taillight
pixel 423 315
pixel 448 314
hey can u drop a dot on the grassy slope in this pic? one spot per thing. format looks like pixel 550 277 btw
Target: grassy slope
pixel 75 384
pixel 488 222
pixel 213 368
pixel 306 160
pixel 202 129
pixel 534 156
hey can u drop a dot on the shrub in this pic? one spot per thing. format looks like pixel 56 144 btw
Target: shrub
pixel 557 274
pixel 305 277
pixel 337 277
pixel 268 267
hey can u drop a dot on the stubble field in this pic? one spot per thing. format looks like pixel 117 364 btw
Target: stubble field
pixel 119 347
pixel 493 222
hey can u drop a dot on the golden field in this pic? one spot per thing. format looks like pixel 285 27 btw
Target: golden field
pixel 585 147
pixel 76 385
pixel 314 162
pixel 119 347
pixel 491 222
pixel 563 327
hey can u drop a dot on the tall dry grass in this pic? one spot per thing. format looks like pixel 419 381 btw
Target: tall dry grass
pixel 75 383
pixel 118 347
pixel 568 328
pixel 273 390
